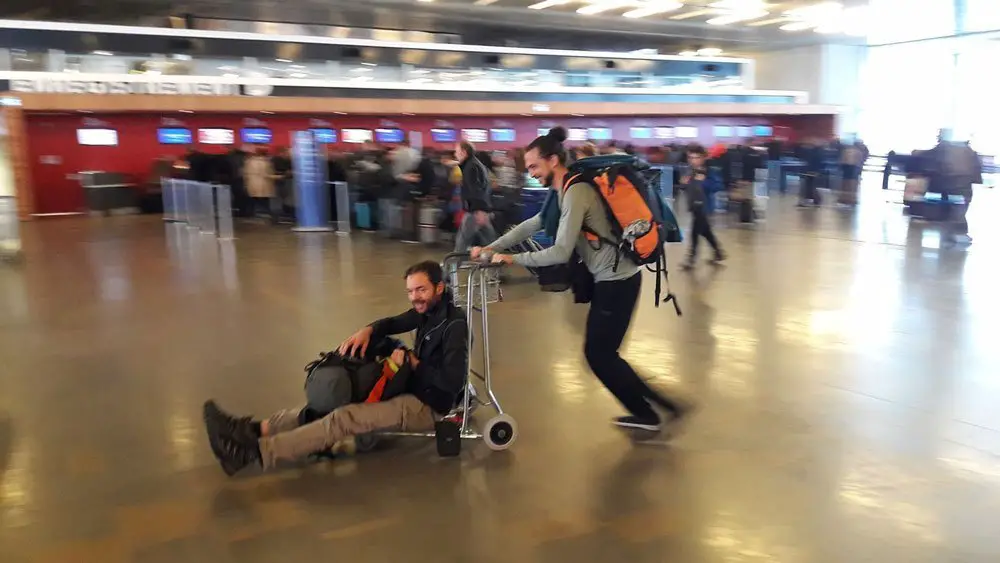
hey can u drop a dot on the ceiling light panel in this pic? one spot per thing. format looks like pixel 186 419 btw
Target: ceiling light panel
pixel 692 14
pixel 604 6
pixel 654 8
pixel 548 4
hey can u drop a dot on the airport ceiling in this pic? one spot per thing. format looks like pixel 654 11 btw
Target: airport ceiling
pixel 736 26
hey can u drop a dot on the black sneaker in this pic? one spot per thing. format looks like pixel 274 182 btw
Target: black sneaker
pixel 637 423
pixel 240 429
pixel 233 456
pixel 674 414
pixel 719 257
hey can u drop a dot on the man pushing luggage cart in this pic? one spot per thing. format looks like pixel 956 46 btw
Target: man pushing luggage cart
pixel 616 280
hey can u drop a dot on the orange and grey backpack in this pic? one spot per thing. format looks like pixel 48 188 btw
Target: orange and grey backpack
pixel 641 221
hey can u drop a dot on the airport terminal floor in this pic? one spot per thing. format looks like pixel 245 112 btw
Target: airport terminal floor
pixel 842 360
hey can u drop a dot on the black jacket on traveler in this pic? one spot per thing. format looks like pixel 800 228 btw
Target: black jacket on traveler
pixel 441 348
pixel 475 185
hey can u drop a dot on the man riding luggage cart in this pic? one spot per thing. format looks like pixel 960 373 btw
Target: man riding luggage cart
pixel 425 391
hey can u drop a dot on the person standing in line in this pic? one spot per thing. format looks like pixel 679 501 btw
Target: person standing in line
pixel 616 288
pixel 236 160
pixel 284 183
pixel 475 199
pixel 697 186
pixel 259 178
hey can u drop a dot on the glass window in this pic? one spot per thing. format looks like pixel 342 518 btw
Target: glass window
pixel 907 96
pixel 981 15
pixel 976 117
pixel 898 20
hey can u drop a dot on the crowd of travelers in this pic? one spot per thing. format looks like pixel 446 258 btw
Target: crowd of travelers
pixel 479 192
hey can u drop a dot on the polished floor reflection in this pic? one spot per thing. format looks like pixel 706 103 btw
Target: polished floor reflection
pixel 844 362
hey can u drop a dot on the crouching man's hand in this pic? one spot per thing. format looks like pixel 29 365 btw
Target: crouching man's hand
pixel 357 343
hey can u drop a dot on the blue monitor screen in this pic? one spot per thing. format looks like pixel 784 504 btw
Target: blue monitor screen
pixel 174 136
pixel 722 131
pixel 444 135
pixel 763 131
pixel 256 135
pixel 502 135
pixel 641 132
pixel 325 136
pixel 389 135
pixel 599 133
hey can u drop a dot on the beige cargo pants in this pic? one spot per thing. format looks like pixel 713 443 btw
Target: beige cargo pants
pixel 289 441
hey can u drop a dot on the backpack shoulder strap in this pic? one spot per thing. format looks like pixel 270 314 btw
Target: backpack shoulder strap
pixel 569 181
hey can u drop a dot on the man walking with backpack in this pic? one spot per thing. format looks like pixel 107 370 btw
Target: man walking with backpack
pixel 697 188
pixel 616 278
pixel 476 191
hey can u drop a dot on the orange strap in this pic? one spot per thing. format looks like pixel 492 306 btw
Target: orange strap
pixel 387 374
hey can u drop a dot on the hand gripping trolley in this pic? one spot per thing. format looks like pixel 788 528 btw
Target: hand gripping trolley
pixel 473 285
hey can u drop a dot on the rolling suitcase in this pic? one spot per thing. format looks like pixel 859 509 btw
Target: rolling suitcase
pixel 363 216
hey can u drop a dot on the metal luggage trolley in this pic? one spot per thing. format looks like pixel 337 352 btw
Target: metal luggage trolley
pixel 473 286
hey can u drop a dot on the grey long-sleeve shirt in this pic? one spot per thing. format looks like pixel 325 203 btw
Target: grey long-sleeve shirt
pixel 579 205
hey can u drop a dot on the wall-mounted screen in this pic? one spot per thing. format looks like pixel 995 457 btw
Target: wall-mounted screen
pixel 475 135
pixel 174 136
pixel 389 135
pixel 599 133
pixel 256 135
pixel 686 132
pixel 743 131
pixel 357 135
pixel 97 137
pixel 502 135
pixel 543 131
pixel 663 132
pixel 576 134
pixel 444 135
pixel 216 136
pixel 763 131
pixel 325 136
pixel 722 131
pixel 640 132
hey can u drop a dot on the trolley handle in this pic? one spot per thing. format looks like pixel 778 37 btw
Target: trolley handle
pixel 457 256
pixel 465 259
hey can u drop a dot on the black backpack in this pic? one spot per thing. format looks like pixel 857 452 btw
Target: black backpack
pixel 333 381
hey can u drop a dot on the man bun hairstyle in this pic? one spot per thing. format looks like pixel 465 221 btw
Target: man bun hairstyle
pixel 558 134
pixel 551 144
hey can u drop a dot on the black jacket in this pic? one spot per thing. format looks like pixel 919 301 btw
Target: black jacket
pixel 475 185
pixel 441 347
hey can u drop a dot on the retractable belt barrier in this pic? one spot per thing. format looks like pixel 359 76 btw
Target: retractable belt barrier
pixel 201 206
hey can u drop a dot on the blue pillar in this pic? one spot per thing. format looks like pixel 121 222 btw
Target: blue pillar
pixel 312 205
pixel 774 183
pixel 666 187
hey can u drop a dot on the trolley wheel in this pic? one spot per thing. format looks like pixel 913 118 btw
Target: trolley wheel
pixel 500 432
pixel 365 442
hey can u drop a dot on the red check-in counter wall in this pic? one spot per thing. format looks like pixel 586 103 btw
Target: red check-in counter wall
pixel 54 155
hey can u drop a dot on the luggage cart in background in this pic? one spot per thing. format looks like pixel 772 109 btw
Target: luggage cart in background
pixel 10 238
pixel 473 285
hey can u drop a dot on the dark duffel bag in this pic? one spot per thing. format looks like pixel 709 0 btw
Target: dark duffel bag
pixel 333 381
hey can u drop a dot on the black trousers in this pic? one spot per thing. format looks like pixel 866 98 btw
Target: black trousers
pixel 607 323
pixel 701 227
